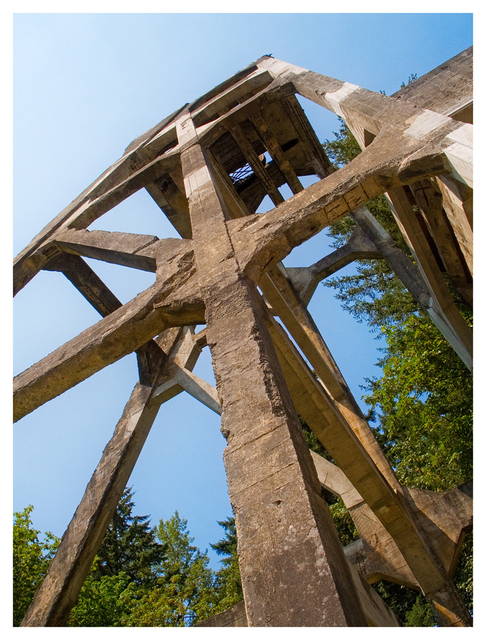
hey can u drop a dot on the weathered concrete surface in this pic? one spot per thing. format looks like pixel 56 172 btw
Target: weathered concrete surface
pixel 386 504
pixel 454 244
pixel 235 616
pixel 306 279
pixel 453 327
pixel 304 331
pixel 445 517
pixel 377 613
pixel 189 164
pixel 447 89
pixel 271 480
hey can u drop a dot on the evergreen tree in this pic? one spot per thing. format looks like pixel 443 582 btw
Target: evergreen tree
pixel 228 580
pixel 423 404
pixel 185 590
pixel 141 577
pixel 129 545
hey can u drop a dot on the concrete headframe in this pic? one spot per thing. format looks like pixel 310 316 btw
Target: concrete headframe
pixel 205 168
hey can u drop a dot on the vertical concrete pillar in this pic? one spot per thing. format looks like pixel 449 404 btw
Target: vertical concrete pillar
pixel 293 569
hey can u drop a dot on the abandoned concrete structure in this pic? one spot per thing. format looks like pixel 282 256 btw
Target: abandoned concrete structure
pixel 203 165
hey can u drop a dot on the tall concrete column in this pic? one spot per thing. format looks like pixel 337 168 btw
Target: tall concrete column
pixel 293 569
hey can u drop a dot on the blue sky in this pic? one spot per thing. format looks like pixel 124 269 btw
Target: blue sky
pixel 86 85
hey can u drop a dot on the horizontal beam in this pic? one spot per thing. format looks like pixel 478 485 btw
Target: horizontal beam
pixel 122 332
pixel 110 246
pixel 81 213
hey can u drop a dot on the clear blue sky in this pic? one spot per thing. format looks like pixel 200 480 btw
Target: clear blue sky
pixel 85 85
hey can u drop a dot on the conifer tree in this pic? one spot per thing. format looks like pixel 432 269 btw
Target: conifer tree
pixel 228 578
pixel 129 545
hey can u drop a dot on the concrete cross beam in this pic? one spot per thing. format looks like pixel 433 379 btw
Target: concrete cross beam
pixel 445 516
pixel 60 589
pixel 306 279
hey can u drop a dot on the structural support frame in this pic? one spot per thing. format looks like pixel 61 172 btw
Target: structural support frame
pixel 211 275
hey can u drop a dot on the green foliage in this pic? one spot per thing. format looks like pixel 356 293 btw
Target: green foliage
pixel 410 606
pixel 31 559
pixel 141 577
pixel 411 78
pixel 180 553
pixel 463 575
pixel 129 545
pixel 374 294
pixel 313 442
pixel 344 523
pixel 103 602
pixel 344 148
pixel 228 580
pixel 185 591
pixel 424 406
pixel 178 601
